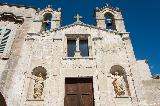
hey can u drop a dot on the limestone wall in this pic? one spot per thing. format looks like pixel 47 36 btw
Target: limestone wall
pixel 48 49
pixel 22 11
pixel 16 43
pixel 151 92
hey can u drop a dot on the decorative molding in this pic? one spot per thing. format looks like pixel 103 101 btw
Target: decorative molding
pixel 109 7
pixel 18 6
pixel 85 25
pixel 97 38
pixel 29 38
pixel 8 16
pixel 74 58
pixel 57 39
pixel 35 100
pixel 32 34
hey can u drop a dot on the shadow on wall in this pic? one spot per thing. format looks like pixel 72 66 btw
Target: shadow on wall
pixel 157 76
pixel 2 100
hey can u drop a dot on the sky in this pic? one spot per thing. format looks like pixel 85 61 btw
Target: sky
pixel 141 17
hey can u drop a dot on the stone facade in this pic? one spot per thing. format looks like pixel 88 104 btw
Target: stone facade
pixel 34 63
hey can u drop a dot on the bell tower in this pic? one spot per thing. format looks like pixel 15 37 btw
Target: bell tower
pixel 46 20
pixel 108 17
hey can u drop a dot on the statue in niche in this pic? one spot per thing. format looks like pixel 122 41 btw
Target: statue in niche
pixel 119 88
pixel 38 86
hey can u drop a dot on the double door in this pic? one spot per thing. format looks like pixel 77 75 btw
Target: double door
pixel 78 92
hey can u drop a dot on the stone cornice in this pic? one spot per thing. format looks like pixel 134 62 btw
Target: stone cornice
pixel 85 25
pixel 109 7
pixel 16 19
pixel 18 6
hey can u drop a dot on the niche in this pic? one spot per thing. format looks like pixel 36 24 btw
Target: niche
pixel 37 83
pixel 119 81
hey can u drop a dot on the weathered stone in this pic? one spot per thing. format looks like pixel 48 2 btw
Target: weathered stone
pixel 31 50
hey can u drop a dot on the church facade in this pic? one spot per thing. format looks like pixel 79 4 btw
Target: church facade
pixel 43 63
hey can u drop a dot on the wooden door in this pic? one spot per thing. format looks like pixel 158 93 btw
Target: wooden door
pixel 78 92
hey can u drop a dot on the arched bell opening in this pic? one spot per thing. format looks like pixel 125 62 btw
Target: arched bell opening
pixel 2 100
pixel 110 21
pixel 46 25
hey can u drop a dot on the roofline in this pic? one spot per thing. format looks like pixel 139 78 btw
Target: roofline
pixel 18 6
pixel 16 18
pixel 108 6
pixel 86 25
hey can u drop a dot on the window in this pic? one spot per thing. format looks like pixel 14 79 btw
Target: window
pixel 71 47
pixel 0 31
pixel 77 46
pixel 3 39
pixel 83 46
pixel 10 25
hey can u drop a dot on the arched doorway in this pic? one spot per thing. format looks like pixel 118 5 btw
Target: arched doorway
pixel 2 100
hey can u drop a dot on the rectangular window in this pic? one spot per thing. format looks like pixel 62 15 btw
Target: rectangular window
pixel 0 32
pixel 71 47
pixel 78 45
pixel 83 46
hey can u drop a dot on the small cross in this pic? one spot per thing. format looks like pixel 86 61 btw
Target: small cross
pixel 78 17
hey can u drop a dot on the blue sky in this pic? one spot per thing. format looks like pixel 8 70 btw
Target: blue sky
pixel 142 20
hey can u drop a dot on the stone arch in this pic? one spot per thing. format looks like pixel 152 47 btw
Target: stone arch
pixel 47 10
pixel 117 68
pixel 110 21
pixel 119 71
pixel 2 100
pixel 36 71
pixel 112 11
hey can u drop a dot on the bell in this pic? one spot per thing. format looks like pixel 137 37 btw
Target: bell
pixel 47 24
pixel 109 22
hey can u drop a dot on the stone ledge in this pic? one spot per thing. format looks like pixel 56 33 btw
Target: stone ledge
pixel 123 97
pixel 74 58
pixel 34 100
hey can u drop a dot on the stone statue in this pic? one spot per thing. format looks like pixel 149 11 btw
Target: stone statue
pixel 38 86
pixel 118 85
